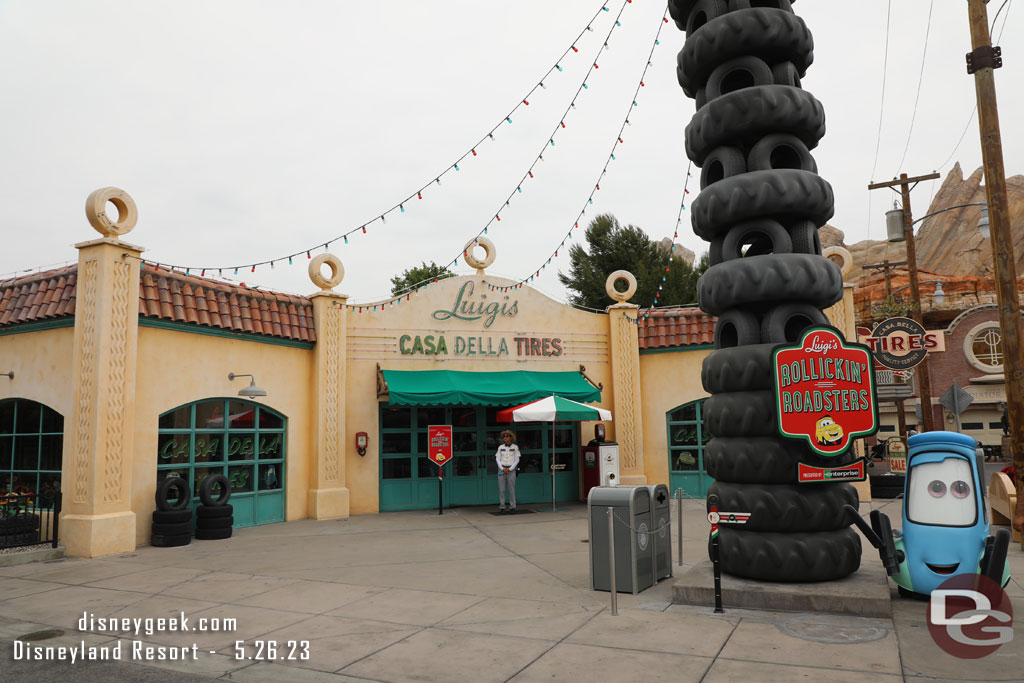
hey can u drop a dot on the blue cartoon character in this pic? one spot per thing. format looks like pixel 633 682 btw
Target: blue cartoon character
pixel 945 527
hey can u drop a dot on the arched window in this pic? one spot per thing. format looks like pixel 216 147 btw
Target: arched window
pixel 31 445
pixel 687 438
pixel 242 440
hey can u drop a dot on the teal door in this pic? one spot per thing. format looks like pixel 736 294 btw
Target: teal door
pixel 687 437
pixel 242 440
pixel 409 481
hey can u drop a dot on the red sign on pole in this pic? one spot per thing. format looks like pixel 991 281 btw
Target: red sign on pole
pixel 439 444
pixel 825 391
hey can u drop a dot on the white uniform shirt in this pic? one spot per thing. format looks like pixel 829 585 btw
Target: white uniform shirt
pixel 507 456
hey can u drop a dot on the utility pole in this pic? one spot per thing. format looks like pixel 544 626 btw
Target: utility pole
pixel 886 266
pixel 925 383
pixel 981 62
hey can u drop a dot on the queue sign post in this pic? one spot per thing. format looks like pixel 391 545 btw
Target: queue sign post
pixel 439 450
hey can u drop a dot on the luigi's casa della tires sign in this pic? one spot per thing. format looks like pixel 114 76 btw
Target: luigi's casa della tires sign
pixel 825 391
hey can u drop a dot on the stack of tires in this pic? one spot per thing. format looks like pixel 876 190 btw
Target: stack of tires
pixel 760 206
pixel 215 517
pixel 172 519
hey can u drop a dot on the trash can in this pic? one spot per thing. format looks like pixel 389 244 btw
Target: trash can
pixel 634 557
pixel 661 531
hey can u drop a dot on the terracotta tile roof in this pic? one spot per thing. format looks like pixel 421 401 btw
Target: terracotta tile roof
pixel 668 327
pixel 40 296
pixel 167 296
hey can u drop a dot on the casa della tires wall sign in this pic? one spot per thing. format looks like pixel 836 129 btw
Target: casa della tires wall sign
pixel 902 343
pixel 825 391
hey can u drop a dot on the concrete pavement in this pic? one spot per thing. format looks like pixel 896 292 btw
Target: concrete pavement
pixel 466 596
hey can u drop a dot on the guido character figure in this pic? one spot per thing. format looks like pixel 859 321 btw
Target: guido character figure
pixel 945 527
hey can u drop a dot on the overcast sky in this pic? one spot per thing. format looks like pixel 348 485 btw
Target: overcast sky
pixel 249 130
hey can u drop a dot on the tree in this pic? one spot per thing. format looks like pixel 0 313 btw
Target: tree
pixel 614 247
pixel 411 278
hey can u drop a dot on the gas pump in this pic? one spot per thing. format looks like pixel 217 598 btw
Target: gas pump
pixel 600 462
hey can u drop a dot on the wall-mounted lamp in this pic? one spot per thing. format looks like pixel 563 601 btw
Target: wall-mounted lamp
pixel 939 296
pixel 251 391
pixel 10 374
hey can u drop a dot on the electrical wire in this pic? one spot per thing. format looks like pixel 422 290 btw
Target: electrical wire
pixel 920 79
pixel 881 106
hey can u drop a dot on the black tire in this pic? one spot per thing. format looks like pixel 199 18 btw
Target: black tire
pixel 786 73
pixel 702 12
pixel 172 529
pixel 751 113
pixel 761 237
pixel 724 162
pixel 736 328
pixel 788 508
pixel 743 368
pixel 158 541
pixel 764 459
pixel 736 5
pixel 19 524
pixel 741 413
pixel 787 322
pixel 784 195
pixel 911 595
pixel 814 556
pixel 777 151
pixel 213 534
pixel 206 490
pixel 726 76
pixel 767 33
pixel 764 280
pixel 805 237
pixel 215 523
pixel 164 489
pixel 715 251
pixel 172 516
pixel 887 485
pixel 203 512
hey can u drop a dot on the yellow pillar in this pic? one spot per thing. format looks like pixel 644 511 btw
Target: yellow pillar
pixel 97 518
pixel 328 492
pixel 624 350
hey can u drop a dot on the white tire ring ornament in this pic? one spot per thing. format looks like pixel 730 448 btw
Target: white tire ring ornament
pixel 714 517
pixel 472 261
pixel 615 294
pixel 96 211
pixel 847 258
pixel 317 276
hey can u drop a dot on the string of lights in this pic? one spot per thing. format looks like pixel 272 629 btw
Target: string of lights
pixel 400 206
pixel 611 157
pixel 672 249
pixel 529 175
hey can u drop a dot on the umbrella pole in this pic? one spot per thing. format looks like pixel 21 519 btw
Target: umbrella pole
pixel 553 457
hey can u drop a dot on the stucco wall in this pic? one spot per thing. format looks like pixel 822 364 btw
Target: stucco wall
pixel 41 362
pixel 668 380
pixel 175 368
pixel 376 337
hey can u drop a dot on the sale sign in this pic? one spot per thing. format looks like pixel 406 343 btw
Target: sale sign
pixel 825 391
pixel 439 444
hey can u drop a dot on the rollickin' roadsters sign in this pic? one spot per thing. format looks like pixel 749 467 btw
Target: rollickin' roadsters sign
pixel 825 391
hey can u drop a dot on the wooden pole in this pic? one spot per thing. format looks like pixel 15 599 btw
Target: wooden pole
pixel 922 377
pixel 981 62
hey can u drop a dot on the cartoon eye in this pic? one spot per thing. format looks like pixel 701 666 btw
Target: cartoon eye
pixel 960 489
pixel 937 488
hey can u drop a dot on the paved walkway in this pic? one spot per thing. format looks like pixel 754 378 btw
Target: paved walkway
pixel 467 596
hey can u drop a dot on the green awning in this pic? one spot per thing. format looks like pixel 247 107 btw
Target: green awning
pixel 433 387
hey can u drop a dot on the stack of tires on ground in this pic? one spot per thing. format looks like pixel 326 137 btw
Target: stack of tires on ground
pixel 760 206
pixel 172 520
pixel 215 517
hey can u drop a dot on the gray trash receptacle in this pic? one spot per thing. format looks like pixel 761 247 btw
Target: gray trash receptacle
pixel 661 516
pixel 634 557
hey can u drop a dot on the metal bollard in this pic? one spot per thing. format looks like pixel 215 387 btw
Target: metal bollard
pixel 611 562
pixel 679 533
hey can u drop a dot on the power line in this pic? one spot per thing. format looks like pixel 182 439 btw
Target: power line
pixel 920 78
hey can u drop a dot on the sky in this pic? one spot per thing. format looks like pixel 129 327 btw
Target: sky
pixel 249 130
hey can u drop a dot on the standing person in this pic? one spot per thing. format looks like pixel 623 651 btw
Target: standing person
pixel 507 458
